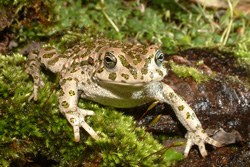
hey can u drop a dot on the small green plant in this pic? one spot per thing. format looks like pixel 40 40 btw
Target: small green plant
pixel 184 71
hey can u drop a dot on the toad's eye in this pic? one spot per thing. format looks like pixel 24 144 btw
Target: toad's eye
pixel 159 57
pixel 109 60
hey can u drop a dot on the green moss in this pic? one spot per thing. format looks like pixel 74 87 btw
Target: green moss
pixel 184 71
pixel 242 53
pixel 29 129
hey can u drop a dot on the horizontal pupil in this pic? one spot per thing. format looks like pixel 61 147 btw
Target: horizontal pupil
pixel 108 59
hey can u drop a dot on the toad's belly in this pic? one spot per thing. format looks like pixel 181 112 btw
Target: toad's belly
pixel 120 98
pixel 118 102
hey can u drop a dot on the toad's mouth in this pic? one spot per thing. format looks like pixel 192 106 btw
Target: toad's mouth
pixel 123 83
pixel 133 83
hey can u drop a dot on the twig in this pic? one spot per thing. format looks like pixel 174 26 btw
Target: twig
pixel 110 21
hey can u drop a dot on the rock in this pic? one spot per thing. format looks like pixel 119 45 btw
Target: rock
pixel 223 101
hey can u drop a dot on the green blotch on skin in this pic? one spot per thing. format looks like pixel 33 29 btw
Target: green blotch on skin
pixel 112 76
pixel 188 115
pixel 184 71
pixel 69 79
pixel 53 61
pixel 72 120
pixel 144 71
pixel 133 73
pixel 124 61
pixel 84 62
pixel 171 95
pixel 65 104
pixel 100 70
pixel 181 108
pixel 47 56
pixel 72 93
pixel 159 72
pixel 126 76
pixel 135 62
pixel 70 112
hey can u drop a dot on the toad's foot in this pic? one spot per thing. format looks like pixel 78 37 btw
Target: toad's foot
pixel 199 138
pixel 78 121
pixel 34 94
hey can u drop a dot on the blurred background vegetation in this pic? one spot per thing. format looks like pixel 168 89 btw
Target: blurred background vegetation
pixel 33 131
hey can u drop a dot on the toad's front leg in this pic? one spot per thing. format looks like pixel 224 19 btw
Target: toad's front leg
pixel 196 135
pixel 68 100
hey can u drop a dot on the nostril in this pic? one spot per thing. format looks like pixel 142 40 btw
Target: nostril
pixel 151 75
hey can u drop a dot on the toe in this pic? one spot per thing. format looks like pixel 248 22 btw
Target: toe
pixel 202 149
pixel 85 112
pixel 76 133
pixel 90 130
pixel 188 147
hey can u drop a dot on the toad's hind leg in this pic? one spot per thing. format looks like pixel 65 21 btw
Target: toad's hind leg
pixel 33 68
pixel 47 57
